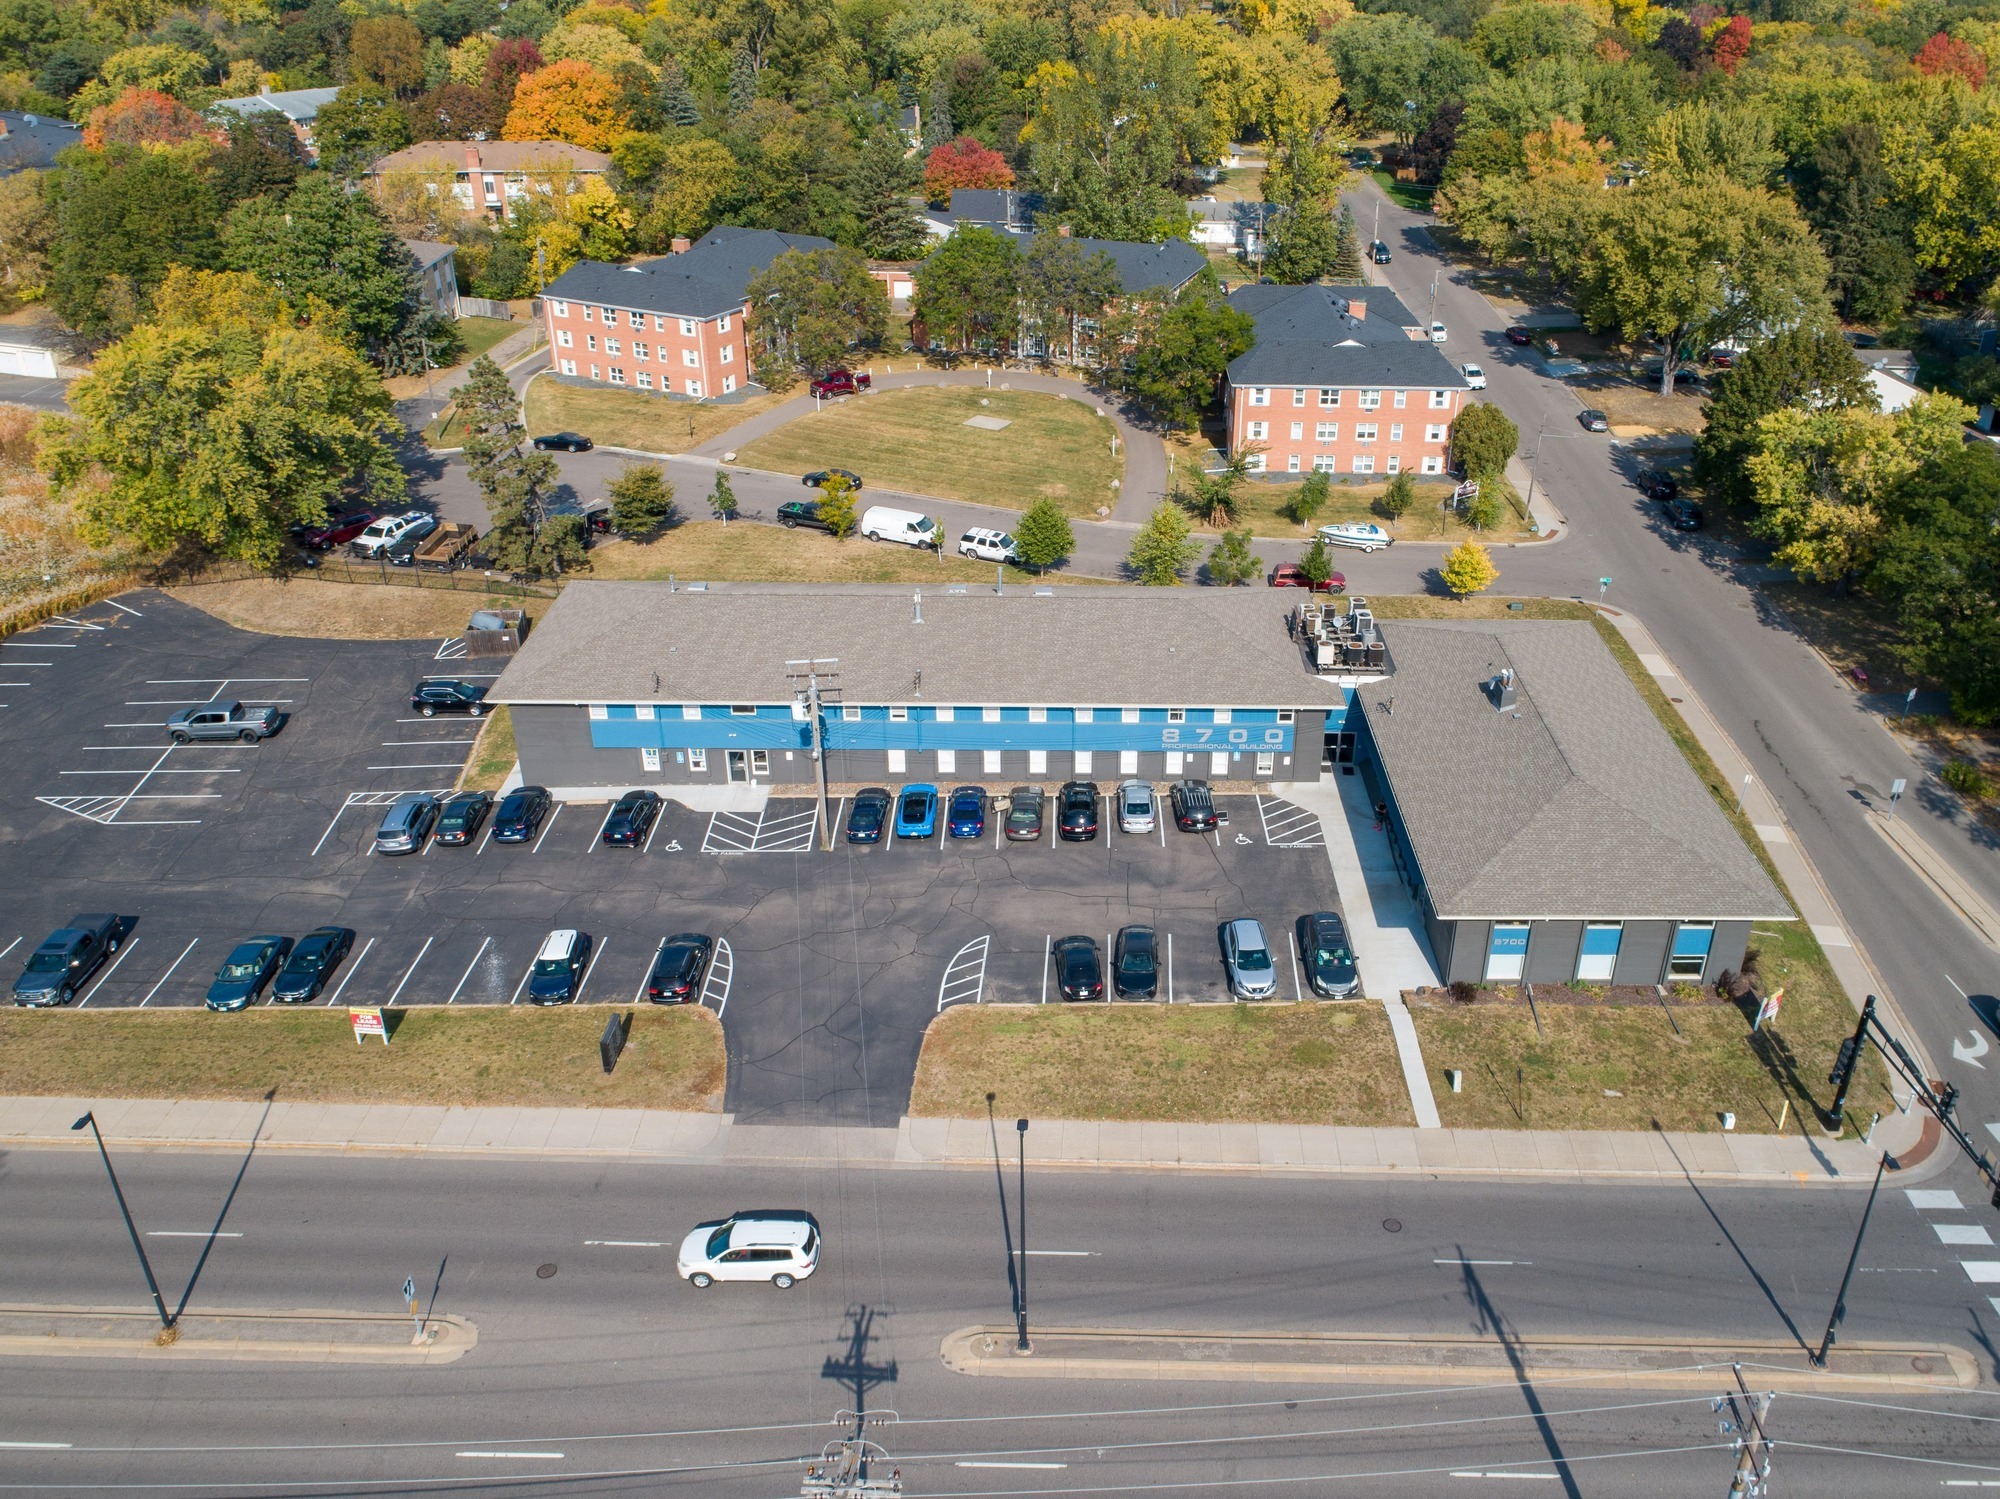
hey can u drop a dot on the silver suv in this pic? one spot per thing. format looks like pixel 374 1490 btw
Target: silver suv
pixel 407 823
pixel 224 721
pixel 1246 956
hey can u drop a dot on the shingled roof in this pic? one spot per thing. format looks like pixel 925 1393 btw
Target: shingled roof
pixel 1312 335
pixel 705 281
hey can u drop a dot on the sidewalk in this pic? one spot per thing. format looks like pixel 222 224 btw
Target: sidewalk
pixel 657 1137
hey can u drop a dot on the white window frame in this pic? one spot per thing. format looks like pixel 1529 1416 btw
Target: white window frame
pixel 1223 715
pixel 698 761
pixel 694 389
pixel 645 379
pixel 569 366
pixel 1371 400
pixel 1440 400
pixel 1038 715
pixel 1434 432
pixel 565 339
pixel 1395 464
pixel 945 715
pixel 1325 463
pixel 561 308
pixel 1364 463
pixel 989 715
pixel 690 359
pixel 722 323
pixel 947 762
pixel 989 762
pixel 728 354
pixel 1260 395
pixel 1291 463
pixel 635 319
pixel 1128 762
pixel 728 384
pixel 687 327
pixel 1085 715
pixel 1267 762
pixel 1257 431
pixel 1329 397
pixel 1433 465
pixel 899 714
pixel 1327 432
pixel 760 762
pixel 1298 395
pixel 742 710
pixel 1083 760
pixel 1298 431
pixel 1402 399
pixel 1366 431
pixel 600 711
pixel 850 713
pixel 617 375
pixel 1176 715
pixel 899 761
pixel 1255 464
pixel 1038 762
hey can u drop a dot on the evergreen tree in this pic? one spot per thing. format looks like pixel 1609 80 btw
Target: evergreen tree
pixel 514 484
pixel 722 499
pixel 742 82
pixel 1163 549
pixel 642 501
pixel 1317 564
pixel 1483 439
pixel 1304 245
pixel 1230 563
pixel 937 114
pixel 676 98
pixel 879 188
pixel 1797 368
pixel 1347 264
pixel 1043 536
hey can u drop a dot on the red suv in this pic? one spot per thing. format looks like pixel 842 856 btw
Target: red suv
pixel 839 382
pixel 1291 575
pixel 335 530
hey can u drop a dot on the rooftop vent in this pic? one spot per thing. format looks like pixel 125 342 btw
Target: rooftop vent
pixel 1500 689
pixel 918 618
pixel 958 588
pixel 1045 593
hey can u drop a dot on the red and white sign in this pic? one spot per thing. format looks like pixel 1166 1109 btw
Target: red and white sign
pixel 367 1021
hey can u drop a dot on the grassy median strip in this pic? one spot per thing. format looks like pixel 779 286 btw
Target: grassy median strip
pixel 344 611
pixel 477 1055
pixel 1274 1063
pixel 493 753
pixel 746 552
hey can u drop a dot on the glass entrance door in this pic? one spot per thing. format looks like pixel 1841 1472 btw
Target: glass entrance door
pixel 739 765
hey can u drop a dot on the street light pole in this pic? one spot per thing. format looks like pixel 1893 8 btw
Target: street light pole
pixel 166 1322
pixel 1021 1344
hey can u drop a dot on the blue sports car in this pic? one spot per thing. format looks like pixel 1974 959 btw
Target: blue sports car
pixel 916 812
pixel 966 817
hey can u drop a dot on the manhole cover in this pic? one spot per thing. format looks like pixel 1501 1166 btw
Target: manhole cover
pixel 1393 1225
pixel 543 1272
pixel 1924 1365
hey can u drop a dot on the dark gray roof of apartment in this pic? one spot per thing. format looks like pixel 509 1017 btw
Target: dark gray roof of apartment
pixel 1574 803
pixel 992 208
pixel 1297 312
pixel 1141 266
pixel 1403 365
pixel 34 146
pixel 703 281
pixel 299 105
pixel 1310 335
pixel 428 252
pixel 1126 647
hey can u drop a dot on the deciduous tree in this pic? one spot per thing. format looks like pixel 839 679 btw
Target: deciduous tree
pixel 360 123
pixel 722 499
pixel 968 291
pixel 836 507
pixel 1063 288
pixel 141 117
pixel 325 242
pixel 1230 562
pixel 1043 536
pixel 964 163
pixel 1309 498
pixel 1806 368
pixel 809 307
pixel 389 51
pixel 566 101
pixel 263 155
pixel 642 501
pixel 1468 568
pixel 1163 549
pixel 1183 353
pixel 122 218
pixel 1945 56
pixel 458 112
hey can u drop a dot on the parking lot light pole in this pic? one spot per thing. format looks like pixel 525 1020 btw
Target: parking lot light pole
pixel 166 1322
pixel 1021 1344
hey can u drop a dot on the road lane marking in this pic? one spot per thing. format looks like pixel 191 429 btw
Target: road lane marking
pixel 1482 1262
pixel 407 743
pixel 167 975
pixel 350 973
pixel 1921 1198
pixel 550 1455
pixel 412 968
pixel 483 945
pixel 435 765
pixel 10 947
pixel 187 1233
pixel 35 1446
pixel 1962 1233
pixel 1068 1254
pixel 136 615
pixel 963 1464
pixel 625 1243
pixel 1544 1477
pixel 126 948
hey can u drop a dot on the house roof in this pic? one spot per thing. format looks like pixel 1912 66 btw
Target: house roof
pixel 429 252
pixel 1243 212
pixel 703 281
pixel 24 146
pixel 1309 335
pixel 1574 803
pixel 299 105
pixel 1141 266
pixel 991 208
pixel 647 642
pixel 493 156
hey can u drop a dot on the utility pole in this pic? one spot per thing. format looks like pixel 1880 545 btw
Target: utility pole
pixel 1434 304
pixel 804 676
pixel 842 1472
pixel 1753 1446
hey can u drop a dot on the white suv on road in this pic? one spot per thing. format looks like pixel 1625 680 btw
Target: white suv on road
pixel 780 1247
pixel 987 546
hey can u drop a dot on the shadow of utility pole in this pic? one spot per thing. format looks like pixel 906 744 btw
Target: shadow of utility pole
pixel 853 1367
pixel 1490 1321
pixel 222 1217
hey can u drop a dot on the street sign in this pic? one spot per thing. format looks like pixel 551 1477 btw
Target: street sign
pixel 367 1021
pixel 1896 789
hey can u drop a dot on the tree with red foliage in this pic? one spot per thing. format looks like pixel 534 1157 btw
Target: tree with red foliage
pixel 1944 56
pixel 1731 44
pixel 458 112
pixel 964 163
pixel 511 60
pixel 141 117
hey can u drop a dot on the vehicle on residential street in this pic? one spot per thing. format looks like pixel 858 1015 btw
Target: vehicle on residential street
pixel 250 965
pixel 213 721
pixel 1437 333
pixel 1024 814
pixel 1329 960
pixel 1684 515
pixel 392 530
pixel 795 513
pixel 1076 819
pixel 435 695
pixel 407 823
pixel 678 968
pixel 886 523
pixel 1079 968
pixel 1246 958
pixel 1291 575
pixel 334 530
pixel 1194 807
pixel 1594 420
pixel 1365 535
pixel 818 477
pixel 312 962
pixel 564 442
pixel 1138 807
pixel 559 966
pixel 1474 376
pixel 1379 252
pixel 1520 337
pixel 1658 486
pixel 67 958
pixel 916 811
pixel 839 382
pixel 461 816
pixel 780 1248
pixel 1135 963
pixel 987 545
pixel 631 819
pixel 869 815
pixel 521 813
pixel 965 815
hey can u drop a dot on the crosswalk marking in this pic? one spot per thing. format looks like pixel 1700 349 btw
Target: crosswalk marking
pixel 1941 1199
pixel 1982 1272
pixel 1962 1233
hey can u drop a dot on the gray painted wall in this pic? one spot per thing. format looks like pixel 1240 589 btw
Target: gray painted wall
pixel 1468 951
pixel 1642 952
pixel 1552 950
pixel 1732 939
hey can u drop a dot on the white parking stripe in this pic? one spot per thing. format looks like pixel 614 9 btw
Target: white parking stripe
pixel 524 982
pixel 125 951
pixel 1298 991
pixel 335 999
pixel 487 839
pixel 652 833
pixel 133 612
pixel 484 944
pixel 596 952
pixel 406 743
pixel 601 827
pixel 640 993
pixel 10 947
pixel 435 765
pixel 411 969
pixel 547 826
pixel 167 975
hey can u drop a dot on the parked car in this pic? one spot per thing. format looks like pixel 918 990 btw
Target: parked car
pixel 564 442
pixel 1594 420
pixel 1076 817
pixel 232 720
pixel 631 818
pixel 1291 575
pixel 1138 808
pixel 390 530
pixel 312 962
pixel 67 958
pixel 1079 968
pixel 869 814
pixel 1722 359
pixel 1329 960
pixel 965 814
pixel 886 523
pixel 1658 486
pixel 334 530
pixel 781 1248
pixel 986 545
pixel 559 966
pixel 521 813
pixel 839 382
pixel 1135 963
pixel 678 968
pixel 1378 252
pixel 1475 377
pixel 818 477
pixel 1684 515
pixel 916 812
pixel 407 823
pixel 1520 337
pixel 1246 959
pixel 251 965
pixel 1194 807
pixel 461 816
pixel 1437 333
pixel 1365 535
pixel 435 695
pixel 1024 814
pixel 795 513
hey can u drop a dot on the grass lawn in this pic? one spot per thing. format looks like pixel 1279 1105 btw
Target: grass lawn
pixel 1284 1063
pixel 342 611
pixel 1261 506
pixel 482 1054
pixel 493 753
pixel 707 551
pixel 482 333
pixel 1636 408
pixel 628 419
pixel 916 439
pixel 1402 194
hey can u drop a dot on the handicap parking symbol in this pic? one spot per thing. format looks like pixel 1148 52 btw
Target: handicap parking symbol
pixel 1242 838
pixel 672 846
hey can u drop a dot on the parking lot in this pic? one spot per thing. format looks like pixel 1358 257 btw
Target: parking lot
pixel 829 965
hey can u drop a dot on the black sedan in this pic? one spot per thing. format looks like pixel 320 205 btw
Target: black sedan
pixel 1329 960
pixel 1594 420
pixel 246 971
pixel 1684 515
pixel 678 968
pixel 437 695
pixel 795 513
pixel 1135 963
pixel 564 442
pixel 1655 485
pixel 521 812
pixel 868 816
pixel 1076 821
pixel 817 479
pixel 631 818
pixel 318 953
pixel 461 817
pixel 1079 968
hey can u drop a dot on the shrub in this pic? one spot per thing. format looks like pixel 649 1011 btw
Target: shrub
pixel 1464 993
pixel 1967 779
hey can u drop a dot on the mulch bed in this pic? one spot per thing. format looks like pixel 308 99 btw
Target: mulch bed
pixel 1611 996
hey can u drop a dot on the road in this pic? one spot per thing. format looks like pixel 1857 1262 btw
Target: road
pixel 608 1366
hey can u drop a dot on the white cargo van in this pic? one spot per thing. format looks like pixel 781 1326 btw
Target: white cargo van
pixel 883 523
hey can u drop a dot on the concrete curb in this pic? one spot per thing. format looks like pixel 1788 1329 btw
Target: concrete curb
pixel 307 1336
pixel 1971 907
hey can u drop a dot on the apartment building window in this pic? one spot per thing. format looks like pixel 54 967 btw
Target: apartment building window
pixel 691 359
pixel 1395 432
pixel 1084 715
pixel 611 346
pixel 617 375
pixel 729 353
pixel 1298 395
pixel 1371 400
pixel 722 323
pixel 1329 397
pixel 1365 431
pixel 1258 431
pixel 492 193
pixel 1402 399
pixel 589 316
pixel 1260 395
pixel 742 710
pixel 1433 465
pixel 1364 463
pixel 645 380
pixel 1256 464
pixel 590 339
pixel 1298 431
pixel 1292 463
pixel 641 351
pixel 1327 432
pixel 595 374
pixel 687 327
pixel 946 715
pixel 563 339
pixel 899 714
pixel 569 366
pixel 728 384
pixel 1325 463
pixel 636 320
pixel 1038 715
pixel 561 309
pixel 694 389
pixel 698 761
pixel 1395 463
pixel 1433 433
pixel 659 323
pixel 1440 399
pixel 850 712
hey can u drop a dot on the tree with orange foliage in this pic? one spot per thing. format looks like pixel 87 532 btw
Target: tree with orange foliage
pixel 1731 44
pixel 964 163
pixel 1565 153
pixel 1947 57
pixel 142 117
pixel 566 101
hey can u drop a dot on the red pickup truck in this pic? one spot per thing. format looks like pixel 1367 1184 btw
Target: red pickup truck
pixel 839 382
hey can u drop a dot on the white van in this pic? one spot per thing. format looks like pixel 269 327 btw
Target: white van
pixel 882 523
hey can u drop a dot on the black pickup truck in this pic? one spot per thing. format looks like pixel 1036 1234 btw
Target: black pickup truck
pixel 67 957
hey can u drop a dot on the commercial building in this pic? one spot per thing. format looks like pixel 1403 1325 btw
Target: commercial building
pixel 493 178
